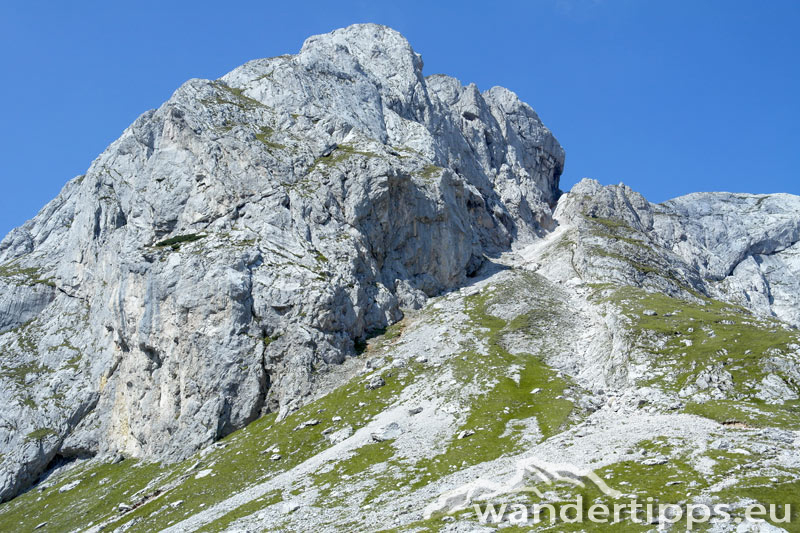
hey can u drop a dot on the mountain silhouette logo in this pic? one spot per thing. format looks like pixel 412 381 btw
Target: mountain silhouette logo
pixel 527 469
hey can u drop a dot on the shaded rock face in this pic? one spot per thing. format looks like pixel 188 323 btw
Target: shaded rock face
pixel 238 240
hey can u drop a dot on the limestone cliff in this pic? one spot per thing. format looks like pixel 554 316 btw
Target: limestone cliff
pixel 252 231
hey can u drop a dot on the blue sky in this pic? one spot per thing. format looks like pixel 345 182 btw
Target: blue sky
pixel 669 97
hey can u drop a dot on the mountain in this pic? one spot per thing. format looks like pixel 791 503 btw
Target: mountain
pixel 326 293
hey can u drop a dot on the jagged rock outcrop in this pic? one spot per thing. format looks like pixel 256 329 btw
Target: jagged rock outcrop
pixel 741 248
pixel 232 244
pixel 746 245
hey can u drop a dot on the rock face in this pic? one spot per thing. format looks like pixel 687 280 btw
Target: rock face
pixel 741 248
pixel 234 243
pixel 222 261
pixel 746 245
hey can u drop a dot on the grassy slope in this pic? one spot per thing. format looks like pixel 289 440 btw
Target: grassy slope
pixel 239 460
pixel 165 494
pixel 721 336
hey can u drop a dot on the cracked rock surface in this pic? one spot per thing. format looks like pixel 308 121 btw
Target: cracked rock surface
pixel 235 242
pixel 326 286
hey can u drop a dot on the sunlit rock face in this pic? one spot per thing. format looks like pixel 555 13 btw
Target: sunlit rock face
pixel 235 242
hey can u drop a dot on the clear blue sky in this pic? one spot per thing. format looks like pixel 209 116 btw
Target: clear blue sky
pixel 669 97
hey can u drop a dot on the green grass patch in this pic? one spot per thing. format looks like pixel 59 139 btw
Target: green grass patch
pixel 643 268
pixel 494 413
pixel 13 272
pixel 101 489
pixel 340 154
pixel 753 413
pixel 359 462
pixel 498 415
pixel 429 172
pixel 269 340
pixel 244 457
pixel 176 242
pixel 768 492
pixel 264 135
pixel 19 374
pixel 232 96
pixel 40 434
pixel 222 523
pixel 686 338
pixel 612 224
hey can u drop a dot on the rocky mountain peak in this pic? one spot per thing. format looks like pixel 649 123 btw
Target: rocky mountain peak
pixel 236 243
pixel 325 281
pixel 378 51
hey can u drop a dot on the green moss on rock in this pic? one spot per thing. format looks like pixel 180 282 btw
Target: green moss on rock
pixel 176 242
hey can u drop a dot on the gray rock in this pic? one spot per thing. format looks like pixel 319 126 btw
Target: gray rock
pixel 389 432
pixel 341 435
pixel 654 461
pixel 742 248
pixel 721 444
pixel 773 389
pixel 775 434
pixel 376 383
pixel 307 423
pixel 244 235
pixel 69 486
pixel 290 507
